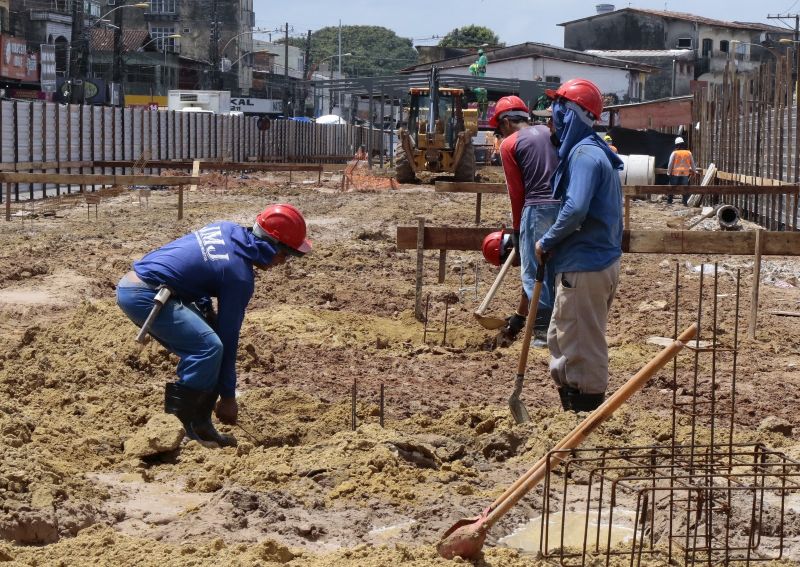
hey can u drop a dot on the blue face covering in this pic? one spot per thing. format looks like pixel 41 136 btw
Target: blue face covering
pixel 559 114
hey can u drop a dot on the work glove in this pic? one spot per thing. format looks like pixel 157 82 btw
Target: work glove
pixel 227 410
pixel 206 308
pixel 515 246
pixel 514 324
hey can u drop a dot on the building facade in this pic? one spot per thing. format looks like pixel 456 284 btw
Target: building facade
pixel 206 32
pixel 653 36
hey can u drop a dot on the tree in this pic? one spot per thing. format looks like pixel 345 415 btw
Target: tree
pixel 471 36
pixel 375 50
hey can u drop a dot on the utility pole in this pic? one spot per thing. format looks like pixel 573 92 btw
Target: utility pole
pixel 213 49
pixel 787 17
pixel 286 72
pixel 118 64
pixel 306 67
pixel 77 53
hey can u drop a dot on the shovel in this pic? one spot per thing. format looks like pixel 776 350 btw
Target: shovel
pixel 487 322
pixel 466 537
pixel 518 409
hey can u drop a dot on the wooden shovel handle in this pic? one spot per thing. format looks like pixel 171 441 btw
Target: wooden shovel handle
pixel 533 307
pixel 497 281
pixel 530 479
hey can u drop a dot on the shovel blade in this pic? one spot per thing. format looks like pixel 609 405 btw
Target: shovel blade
pixel 518 410
pixel 490 323
pixel 464 539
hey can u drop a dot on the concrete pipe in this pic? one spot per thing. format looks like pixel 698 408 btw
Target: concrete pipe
pixel 638 170
pixel 728 217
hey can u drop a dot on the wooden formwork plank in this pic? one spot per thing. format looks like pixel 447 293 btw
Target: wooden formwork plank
pixel 469 187
pixel 642 190
pixel 634 241
pixel 90 179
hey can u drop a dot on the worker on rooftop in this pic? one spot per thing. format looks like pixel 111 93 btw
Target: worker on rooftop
pixel 584 246
pixel 529 160
pixel 215 261
pixel 482 63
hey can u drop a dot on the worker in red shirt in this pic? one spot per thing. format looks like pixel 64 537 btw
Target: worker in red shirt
pixel 529 160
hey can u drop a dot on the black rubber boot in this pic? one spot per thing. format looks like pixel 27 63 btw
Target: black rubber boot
pixel 586 402
pixel 204 428
pixel 182 402
pixel 563 394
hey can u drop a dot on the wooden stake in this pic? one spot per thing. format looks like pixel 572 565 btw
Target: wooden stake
pixel 442 265
pixel 478 199
pixel 751 332
pixel 195 173
pixel 420 256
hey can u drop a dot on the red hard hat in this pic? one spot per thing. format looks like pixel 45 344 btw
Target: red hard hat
pixel 285 224
pixel 494 247
pixel 582 92
pixel 507 104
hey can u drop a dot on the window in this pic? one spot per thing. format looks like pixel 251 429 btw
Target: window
pixel 684 43
pixel 162 6
pixel 552 79
pixel 141 74
pixel 162 42
pixel 708 45
pixel 723 46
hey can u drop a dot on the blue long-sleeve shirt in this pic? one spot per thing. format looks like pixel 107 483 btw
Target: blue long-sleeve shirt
pixel 214 261
pixel 587 235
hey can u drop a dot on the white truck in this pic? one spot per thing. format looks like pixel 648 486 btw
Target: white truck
pixel 218 102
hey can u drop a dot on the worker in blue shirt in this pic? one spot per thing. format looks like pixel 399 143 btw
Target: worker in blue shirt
pixel 583 246
pixel 215 261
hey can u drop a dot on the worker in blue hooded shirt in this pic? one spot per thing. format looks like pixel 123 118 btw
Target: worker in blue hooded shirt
pixel 215 261
pixel 583 246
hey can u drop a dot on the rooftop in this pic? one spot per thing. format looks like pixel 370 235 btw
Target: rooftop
pixel 688 17
pixel 532 49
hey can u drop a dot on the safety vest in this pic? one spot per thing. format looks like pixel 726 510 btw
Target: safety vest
pixel 682 163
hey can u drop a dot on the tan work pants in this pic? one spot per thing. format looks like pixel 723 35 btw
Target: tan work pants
pixel 577 334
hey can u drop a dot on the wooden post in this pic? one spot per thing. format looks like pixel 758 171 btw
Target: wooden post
pixel 195 173
pixel 442 264
pixel 478 208
pixel 180 202
pixel 8 201
pixel 420 256
pixel 627 224
pixel 751 331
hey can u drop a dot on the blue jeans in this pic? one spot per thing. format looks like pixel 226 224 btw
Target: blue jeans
pixel 679 180
pixel 181 329
pixel 536 221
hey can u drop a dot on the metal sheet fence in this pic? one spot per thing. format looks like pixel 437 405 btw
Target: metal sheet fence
pixel 46 137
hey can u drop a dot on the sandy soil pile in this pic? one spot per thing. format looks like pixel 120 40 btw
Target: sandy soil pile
pixel 302 488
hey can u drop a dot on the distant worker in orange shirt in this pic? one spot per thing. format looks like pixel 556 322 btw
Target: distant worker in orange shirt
pixel 608 140
pixel 681 166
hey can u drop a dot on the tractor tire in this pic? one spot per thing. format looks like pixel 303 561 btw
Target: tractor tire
pixel 465 171
pixel 403 171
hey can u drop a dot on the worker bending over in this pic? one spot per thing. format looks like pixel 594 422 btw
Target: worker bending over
pixel 215 261
pixel 584 247
pixel 529 160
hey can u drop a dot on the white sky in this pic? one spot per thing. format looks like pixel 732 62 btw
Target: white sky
pixel 516 22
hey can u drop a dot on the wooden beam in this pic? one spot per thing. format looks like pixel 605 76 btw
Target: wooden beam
pixel 753 323
pixel 220 166
pixel 634 241
pixel 643 190
pixel 469 187
pixel 89 179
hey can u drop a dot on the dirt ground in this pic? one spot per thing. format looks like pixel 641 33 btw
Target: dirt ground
pixel 302 488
